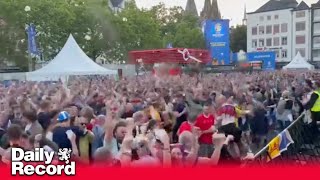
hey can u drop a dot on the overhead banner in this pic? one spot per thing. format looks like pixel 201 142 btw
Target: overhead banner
pixel 268 59
pixel 218 40
pixel 32 45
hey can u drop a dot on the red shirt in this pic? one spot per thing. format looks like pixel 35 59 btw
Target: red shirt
pixel 205 123
pixel 185 126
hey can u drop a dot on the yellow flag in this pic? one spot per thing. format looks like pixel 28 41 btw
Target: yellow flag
pixel 154 114
pixel 274 148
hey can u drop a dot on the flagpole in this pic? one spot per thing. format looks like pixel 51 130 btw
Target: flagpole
pixel 29 62
pixel 293 123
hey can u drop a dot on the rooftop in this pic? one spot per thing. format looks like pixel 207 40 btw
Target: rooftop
pixel 302 6
pixel 275 5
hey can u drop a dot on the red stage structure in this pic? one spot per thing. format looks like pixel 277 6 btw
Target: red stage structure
pixel 170 55
pixel 168 61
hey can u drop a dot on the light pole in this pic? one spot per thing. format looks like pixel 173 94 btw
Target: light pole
pixel 28 9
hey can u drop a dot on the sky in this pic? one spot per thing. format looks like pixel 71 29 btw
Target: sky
pixel 230 9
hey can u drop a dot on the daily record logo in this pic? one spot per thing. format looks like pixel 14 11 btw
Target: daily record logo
pixel 42 162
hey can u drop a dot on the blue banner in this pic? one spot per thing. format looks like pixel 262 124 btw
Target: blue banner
pixel 32 44
pixel 218 40
pixel 169 46
pixel 268 59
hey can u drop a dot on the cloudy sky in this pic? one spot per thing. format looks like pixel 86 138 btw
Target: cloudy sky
pixel 230 9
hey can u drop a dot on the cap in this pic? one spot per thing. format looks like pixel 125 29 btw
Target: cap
pixel 63 116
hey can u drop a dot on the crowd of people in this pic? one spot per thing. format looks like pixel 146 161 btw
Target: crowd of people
pixel 172 121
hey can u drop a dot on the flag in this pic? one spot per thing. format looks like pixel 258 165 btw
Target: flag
pixel 154 114
pixel 203 26
pixel 279 144
pixel 286 140
pixel 32 44
pixel 274 148
pixel 169 46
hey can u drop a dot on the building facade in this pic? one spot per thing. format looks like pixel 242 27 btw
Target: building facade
pixel 315 31
pixel 282 26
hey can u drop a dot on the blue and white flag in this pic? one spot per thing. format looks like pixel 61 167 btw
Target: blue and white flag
pixel 286 140
pixel 203 26
pixel 32 43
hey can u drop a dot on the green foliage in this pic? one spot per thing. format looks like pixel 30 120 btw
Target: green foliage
pixel 99 32
pixel 238 39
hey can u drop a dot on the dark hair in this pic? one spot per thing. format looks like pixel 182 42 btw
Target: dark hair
pixel 14 132
pixel 31 115
pixel 152 123
pixel 118 125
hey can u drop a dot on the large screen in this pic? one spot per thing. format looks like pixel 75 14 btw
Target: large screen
pixel 218 41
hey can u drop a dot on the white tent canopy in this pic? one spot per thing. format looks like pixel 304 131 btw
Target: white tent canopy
pixel 299 62
pixel 71 60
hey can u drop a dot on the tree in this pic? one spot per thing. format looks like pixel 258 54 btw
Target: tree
pixel 82 18
pixel 238 38
pixel 181 29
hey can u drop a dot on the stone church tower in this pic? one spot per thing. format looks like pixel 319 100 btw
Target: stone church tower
pixel 191 8
pixel 210 10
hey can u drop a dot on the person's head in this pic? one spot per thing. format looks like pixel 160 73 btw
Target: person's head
pixel 120 131
pixel 25 142
pixel 285 94
pixel 176 154
pixel 30 116
pixel 186 139
pixel 87 113
pixel 221 100
pixel 83 122
pixel 4 118
pixel 114 110
pixel 140 145
pixel 101 119
pixel 317 85
pixel 64 118
pixel 45 105
pixel 103 157
pixel 129 107
pixel 140 117
pixel 14 134
pixel 207 109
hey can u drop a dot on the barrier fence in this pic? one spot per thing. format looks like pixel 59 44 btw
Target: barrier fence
pixel 304 151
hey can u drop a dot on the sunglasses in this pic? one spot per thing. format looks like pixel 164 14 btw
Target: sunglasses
pixel 83 124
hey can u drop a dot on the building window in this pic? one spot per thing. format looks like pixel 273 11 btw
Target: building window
pixel 276 29
pixel 300 14
pixel 254 43
pixel 300 26
pixel 269 18
pixel 284 41
pixel 276 41
pixel 261 30
pixel 316 27
pixel 316 40
pixel 317 13
pixel 261 18
pixel 254 31
pixel 316 53
pixel 276 16
pixel 269 42
pixel 261 42
pixel 284 53
pixel 302 51
pixel 284 27
pixel 269 29
pixel 301 39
